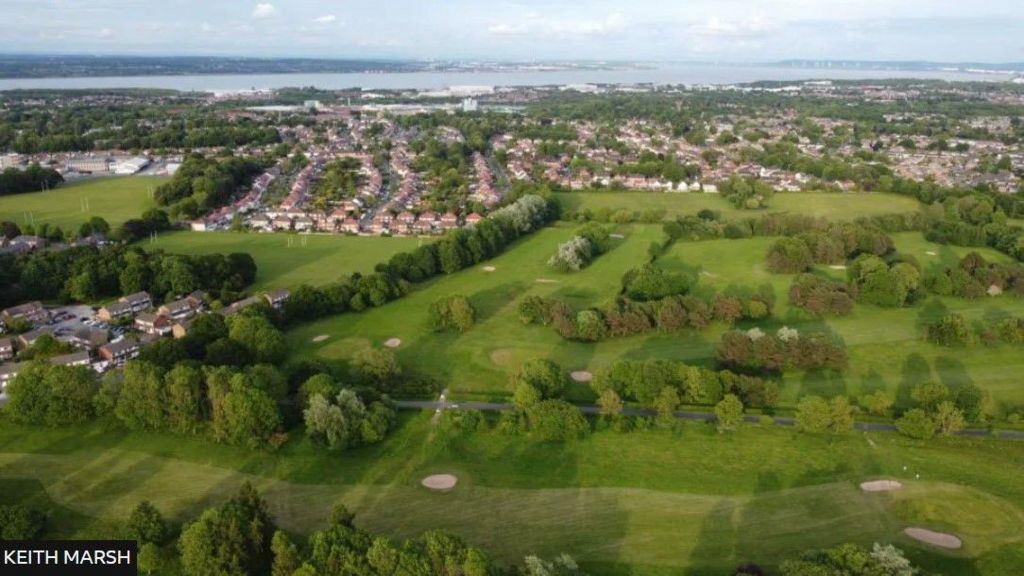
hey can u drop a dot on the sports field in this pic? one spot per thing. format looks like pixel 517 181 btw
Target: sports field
pixel 695 502
pixel 287 260
pixel 115 199
pixel 833 206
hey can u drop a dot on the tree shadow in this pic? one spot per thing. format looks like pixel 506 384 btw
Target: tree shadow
pixel 915 371
pixel 824 383
pixel 952 373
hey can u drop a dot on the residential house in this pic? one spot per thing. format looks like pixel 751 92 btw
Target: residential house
pixel 156 324
pixel 88 338
pixel 178 309
pixel 9 372
pixel 30 312
pixel 114 311
pixel 29 338
pixel 303 223
pixel 237 307
pixel 6 349
pixel 138 301
pixel 74 359
pixel 180 328
pixel 277 298
pixel 121 351
pixel 473 219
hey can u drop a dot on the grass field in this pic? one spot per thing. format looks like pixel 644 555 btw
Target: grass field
pixel 115 199
pixel 885 347
pixel 828 205
pixel 694 502
pixel 312 259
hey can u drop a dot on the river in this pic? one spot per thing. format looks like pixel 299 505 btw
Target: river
pixel 688 74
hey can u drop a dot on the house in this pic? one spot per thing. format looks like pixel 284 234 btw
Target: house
pixel 121 351
pixel 88 338
pixel 184 308
pixel 114 311
pixel 197 299
pixel 74 359
pixel 282 223
pixel 6 349
pixel 149 323
pixel 237 307
pixel 277 298
pixel 303 223
pixel 449 220
pixel 138 301
pixel 29 338
pixel 180 328
pixel 32 312
pixel 406 218
pixel 473 219
pixel 9 372
pixel 261 222
pixel 25 243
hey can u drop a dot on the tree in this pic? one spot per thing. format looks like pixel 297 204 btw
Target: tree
pixel 948 418
pixel 21 522
pixel 729 413
pixel 525 396
pixel 878 402
pixel 929 395
pixel 609 403
pixel 544 375
pixel 146 524
pixel 917 424
pixel 326 423
pixel 246 416
pixel 376 367
pixel 451 313
pixel 666 404
pixel 789 256
pixel 813 414
pixel 231 540
pixel 148 558
pixel 841 414
pixel 140 404
pixel 557 421
pixel 286 555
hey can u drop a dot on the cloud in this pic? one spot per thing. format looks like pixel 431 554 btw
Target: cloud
pixel 328 19
pixel 264 11
pixel 537 25
pixel 207 27
pixel 105 33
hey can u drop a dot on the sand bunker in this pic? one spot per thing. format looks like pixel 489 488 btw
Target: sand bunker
pixel 546 281
pixel 620 236
pixel 489 268
pixel 880 486
pixel 321 338
pixel 708 274
pixel 930 253
pixel 582 376
pixel 393 343
pixel 940 539
pixel 439 482
pixel 837 267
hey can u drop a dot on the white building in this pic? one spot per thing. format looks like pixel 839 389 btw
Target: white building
pixel 129 166
pixel 470 105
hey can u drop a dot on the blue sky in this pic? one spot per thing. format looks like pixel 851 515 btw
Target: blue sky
pixel 724 30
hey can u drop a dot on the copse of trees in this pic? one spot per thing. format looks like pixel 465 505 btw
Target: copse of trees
pixel 649 282
pixel 345 421
pixel 203 184
pixel 976 277
pixel 756 351
pixel 849 560
pixel 888 284
pixel 578 252
pixel 708 224
pixel 650 382
pixel 821 296
pixel 35 178
pixel 87 274
pixel 834 244
pixel 746 193
pixel 452 313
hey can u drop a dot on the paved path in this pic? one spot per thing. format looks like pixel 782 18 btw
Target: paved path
pixel 446 404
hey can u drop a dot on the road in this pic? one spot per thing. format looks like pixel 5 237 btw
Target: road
pixel 445 404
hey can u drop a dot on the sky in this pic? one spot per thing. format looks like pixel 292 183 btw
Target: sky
pixel 524 30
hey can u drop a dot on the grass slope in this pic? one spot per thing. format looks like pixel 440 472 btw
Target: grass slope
pixel 322 259
pixel 832 206
pixel 116 199
pixel 695 502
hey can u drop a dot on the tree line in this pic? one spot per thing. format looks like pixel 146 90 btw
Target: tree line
pixel 202 184
pixel 35 178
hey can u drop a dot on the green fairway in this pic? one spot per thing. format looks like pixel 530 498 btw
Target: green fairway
pixel 833 206
pixel 651 502
pixel 479 360
pixel 310 259
pixel 115 199
pixel 885 345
